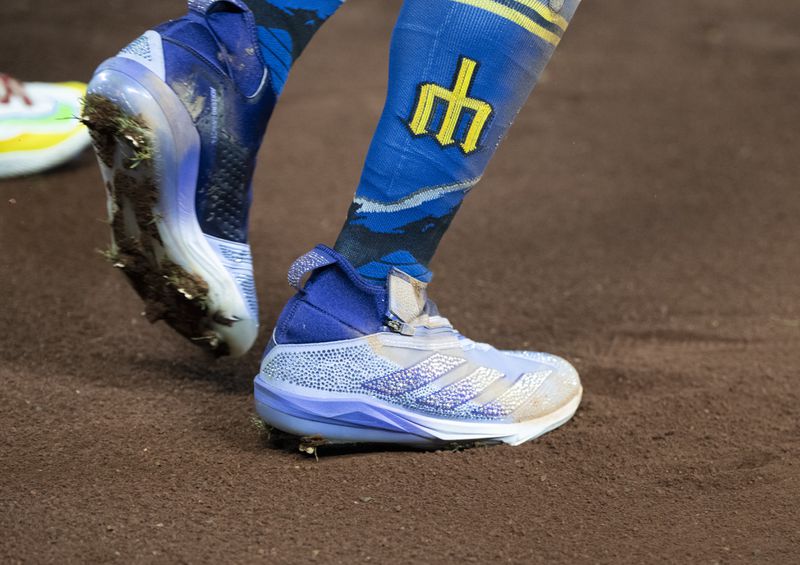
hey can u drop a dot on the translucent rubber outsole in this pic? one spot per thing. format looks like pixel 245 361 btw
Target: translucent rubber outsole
pixel 331 419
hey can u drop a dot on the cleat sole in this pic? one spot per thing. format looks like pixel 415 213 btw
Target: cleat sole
pixel 148 151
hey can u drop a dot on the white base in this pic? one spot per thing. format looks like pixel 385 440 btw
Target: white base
pixel 19 163
pixel 410 428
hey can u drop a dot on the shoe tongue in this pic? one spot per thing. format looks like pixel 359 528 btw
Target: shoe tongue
pixel 407 296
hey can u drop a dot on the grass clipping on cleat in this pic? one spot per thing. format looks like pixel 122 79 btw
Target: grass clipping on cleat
pixel 106 124
pixel 124 144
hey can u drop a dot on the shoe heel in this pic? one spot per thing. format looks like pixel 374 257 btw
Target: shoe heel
pixel 125 146
pixel 148 151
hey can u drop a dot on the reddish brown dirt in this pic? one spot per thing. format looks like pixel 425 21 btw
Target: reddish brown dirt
pixel 641 219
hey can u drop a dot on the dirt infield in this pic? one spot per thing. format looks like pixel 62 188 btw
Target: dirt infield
pixel 641 220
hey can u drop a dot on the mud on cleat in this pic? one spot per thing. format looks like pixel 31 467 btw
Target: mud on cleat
pixel 177 119
pixel 352 362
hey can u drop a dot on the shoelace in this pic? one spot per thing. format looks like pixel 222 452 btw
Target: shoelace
pixel 10 88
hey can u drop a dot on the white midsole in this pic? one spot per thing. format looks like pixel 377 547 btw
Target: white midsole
pixel 274 402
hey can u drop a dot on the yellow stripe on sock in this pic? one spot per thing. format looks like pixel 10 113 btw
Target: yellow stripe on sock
pixel 514 16
pixel 544 10
pixel 34 141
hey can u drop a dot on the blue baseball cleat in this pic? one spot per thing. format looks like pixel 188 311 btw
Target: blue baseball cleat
pixel 353 362
pixel 177 119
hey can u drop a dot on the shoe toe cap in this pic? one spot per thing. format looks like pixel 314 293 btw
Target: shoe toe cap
pixel 560 387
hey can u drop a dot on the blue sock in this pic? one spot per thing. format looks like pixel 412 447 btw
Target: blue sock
pixel 284 29
pixel 459 72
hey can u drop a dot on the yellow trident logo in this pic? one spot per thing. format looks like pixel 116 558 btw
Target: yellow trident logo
pixel 458 104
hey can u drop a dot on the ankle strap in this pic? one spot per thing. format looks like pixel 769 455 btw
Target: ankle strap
pixel 304 264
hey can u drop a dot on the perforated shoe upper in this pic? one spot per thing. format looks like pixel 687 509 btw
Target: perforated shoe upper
pixel 211 60
pixel 341 335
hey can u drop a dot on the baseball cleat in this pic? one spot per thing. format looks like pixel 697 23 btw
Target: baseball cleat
pixel 352 362
pixel 39 125
pixel 177 118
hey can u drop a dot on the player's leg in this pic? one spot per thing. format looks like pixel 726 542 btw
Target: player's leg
pixel 285 27
pixel 460 71
pixel 360 353
pixel 177 119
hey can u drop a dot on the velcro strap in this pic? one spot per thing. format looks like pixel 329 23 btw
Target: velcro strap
pixel 311 261
pixel 407 297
